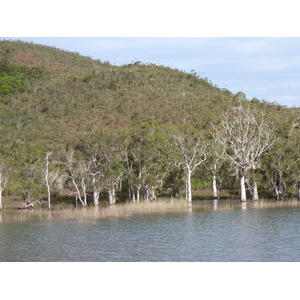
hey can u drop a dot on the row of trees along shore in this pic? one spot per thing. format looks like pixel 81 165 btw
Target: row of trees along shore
pixel 246 146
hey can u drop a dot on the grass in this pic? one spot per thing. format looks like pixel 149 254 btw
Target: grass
pixel 130 209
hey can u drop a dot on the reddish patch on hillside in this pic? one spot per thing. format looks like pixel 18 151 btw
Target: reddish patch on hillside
pixel 28 59
pixel 31 59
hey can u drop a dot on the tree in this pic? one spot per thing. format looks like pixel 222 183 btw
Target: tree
pixel 281 166
pixel 3 180
pixel 91 150
pixel 192 151
pixel 113 167
pixel 245 134
pixel 77 169
pixel 50 177
pixel 148 159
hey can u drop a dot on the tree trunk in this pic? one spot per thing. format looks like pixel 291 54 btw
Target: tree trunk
pixel 146 193
pixel 279 189
pixel 49 196
pixel 138 194
pixel 152 195
pixel 83 185
pixel 0 198
pixel 78 196
pixel 214 180
pixel 280 195
pixel 47 182
pixel 243 189
pixel 133 196
pixel 255 192
pixel 298 196
pixel 214 186
pixel 175 191
pixel 188 186
pixel 112 196
pixel 130 197
pixel 96 193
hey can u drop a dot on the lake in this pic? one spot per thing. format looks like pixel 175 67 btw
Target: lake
pixel 218 231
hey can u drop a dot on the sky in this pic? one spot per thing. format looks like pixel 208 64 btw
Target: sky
pixel 265 68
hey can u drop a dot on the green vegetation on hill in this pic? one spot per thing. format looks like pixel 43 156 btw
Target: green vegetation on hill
pixel 54 100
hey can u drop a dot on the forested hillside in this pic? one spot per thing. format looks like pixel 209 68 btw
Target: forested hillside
pixel 71 125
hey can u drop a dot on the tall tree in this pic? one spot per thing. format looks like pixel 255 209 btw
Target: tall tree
pixel 245 133
pixel 150 157
pixel 192 151
pixel 281 166
pixel 77 169
pixel 50 177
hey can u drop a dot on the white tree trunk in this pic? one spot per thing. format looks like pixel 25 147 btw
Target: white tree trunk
pixel 152 195
pixel 243 189
pixel 49 196
pixel 138 194
pixel 214 186
pixel 112 196
pixel 47 181
pixel 96 192
pixel 146 194
pixel 255 192
pixel 83 185
pixel 78 196
pixel 188 186
pixel 96 195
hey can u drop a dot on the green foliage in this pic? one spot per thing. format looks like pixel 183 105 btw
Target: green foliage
pixel 126 116
pixel 15 78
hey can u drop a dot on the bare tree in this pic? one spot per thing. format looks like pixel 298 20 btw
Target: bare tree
pixel 95 167
pixel 78 174
pixel 245 134
pixel 192 153
pixel 50 177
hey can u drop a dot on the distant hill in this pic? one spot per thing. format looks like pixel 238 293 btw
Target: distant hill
pixel 63 94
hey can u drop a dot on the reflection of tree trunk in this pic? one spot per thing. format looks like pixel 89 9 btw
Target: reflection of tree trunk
pixel 215 204
pixel 255 192
pixel 298 196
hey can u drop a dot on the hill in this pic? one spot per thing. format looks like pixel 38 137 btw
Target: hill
pixel 54 98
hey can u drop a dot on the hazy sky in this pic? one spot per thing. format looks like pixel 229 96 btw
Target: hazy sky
pixel 265 68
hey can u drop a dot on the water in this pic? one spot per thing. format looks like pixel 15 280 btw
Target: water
pixel 198 234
